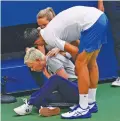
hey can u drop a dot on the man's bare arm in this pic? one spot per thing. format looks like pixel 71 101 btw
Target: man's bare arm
pixel 100 5
pixel 73 50
pixel 76 43
pixel 42 49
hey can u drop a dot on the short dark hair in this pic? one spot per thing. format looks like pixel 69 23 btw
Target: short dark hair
pixel 30 35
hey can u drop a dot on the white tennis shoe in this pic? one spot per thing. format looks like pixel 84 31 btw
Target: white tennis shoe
pixel 117 82
pixel 24 109
pixel 78 112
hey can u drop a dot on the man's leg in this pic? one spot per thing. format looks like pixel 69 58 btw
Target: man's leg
pixel 82 110
pixel 94 77
pixel 83 77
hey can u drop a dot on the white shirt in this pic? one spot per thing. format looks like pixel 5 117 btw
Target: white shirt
pixel 68 24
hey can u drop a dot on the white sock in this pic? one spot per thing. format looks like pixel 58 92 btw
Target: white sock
pixel 83 100
pixel 92 95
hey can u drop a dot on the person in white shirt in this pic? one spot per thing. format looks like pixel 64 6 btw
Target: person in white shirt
pixel 90 26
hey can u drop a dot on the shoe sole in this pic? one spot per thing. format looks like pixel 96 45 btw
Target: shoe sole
pixel 115 85
pixel 79 117
pixel 94 111
pixel 49 112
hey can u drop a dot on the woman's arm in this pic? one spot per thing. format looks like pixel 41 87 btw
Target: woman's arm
pixel 62 73
pixel 45 72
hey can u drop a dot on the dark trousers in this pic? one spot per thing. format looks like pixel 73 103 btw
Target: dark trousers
pixel 66 92
pixel 112 10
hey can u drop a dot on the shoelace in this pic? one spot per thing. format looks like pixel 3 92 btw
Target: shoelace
pixel 76 112
pixel 25 101
pixel 73 109
pixel 118 79
pixel 78 107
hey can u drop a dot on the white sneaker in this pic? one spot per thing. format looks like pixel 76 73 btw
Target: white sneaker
pixel 72 107
pixel 24 109
pixel 93 108
pixel 117 82
pixel 78 112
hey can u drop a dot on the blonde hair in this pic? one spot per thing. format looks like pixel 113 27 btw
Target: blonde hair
pixel 48 12
pixel 32 54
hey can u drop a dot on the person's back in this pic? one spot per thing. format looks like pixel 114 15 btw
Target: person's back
pixel 58 62
pixel 82 15
pixel 68 24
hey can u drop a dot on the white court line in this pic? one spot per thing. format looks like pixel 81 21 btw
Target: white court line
pixel 13 67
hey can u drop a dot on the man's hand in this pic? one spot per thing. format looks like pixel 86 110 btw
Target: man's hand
pixel 62 53
pixel 73 50
pixel 75 43
pixel 100 5
pixel 53 52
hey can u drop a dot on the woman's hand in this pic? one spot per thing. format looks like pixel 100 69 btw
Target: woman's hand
pixel 26 49
pixel 53 52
